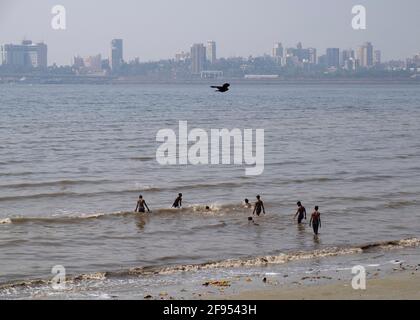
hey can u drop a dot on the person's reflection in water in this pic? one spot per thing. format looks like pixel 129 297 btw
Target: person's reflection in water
pixel 317 240
pixel 301 228
pixel 301 235
pixel 141 221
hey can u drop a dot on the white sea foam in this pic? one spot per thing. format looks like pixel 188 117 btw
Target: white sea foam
pixel 6 221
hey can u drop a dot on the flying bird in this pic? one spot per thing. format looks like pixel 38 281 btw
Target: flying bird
pixel 223 88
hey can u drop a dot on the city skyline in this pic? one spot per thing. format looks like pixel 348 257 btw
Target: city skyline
pixel 152 32
pixel 200 52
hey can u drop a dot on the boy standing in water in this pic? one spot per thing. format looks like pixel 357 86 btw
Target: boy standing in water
pixel 301 211
pixel 315 220
pixel 178 201
pixel 141 204
pixel 259 205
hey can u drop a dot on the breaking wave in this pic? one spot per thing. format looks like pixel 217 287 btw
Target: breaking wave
pixel 197 209
pixel 281 258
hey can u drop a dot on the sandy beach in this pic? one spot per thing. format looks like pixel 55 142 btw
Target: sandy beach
pixel 401 286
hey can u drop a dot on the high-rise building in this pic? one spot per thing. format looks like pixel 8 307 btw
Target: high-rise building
pixel 312 58
pixel 25 55
pixel 416 60
pixel 93 63
pixel 278 53
pixel 89 65
pixel 377 57
pixel 299 52
pixel 365 55
pixel 182 56
pixel 350 64
pixel 369 54
pixel 322 60
pixel 211 51
pixel 38 55
pixel 13 55
pixel 346 55
pixel 198 58
pixel 361 57
pixel 298 56
pixel 78 62
pixel 116 55
pixel 333 57
pixel 278 50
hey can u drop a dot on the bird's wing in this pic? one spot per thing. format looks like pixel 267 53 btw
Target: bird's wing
pixel 215 87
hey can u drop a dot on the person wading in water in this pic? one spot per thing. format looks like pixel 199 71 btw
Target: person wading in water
pixel 315 221
pixel 141 205
pixel 259 205
pixel 301 212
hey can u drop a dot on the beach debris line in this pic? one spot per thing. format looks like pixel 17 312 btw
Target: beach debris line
pixel 217 283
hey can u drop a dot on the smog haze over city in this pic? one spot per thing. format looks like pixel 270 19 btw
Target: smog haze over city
pixel 154 30
pixel 187 149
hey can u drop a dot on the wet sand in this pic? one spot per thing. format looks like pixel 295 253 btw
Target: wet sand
pixel 400 286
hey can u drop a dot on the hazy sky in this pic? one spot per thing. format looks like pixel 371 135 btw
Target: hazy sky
pixel 157 29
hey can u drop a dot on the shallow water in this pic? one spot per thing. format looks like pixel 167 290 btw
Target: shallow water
pixel 73 160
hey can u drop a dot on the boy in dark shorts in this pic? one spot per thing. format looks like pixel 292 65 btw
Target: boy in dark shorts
pixel 141 205
pixel 178 201
pixel 301 212
pixel 259 206
pixel 315 221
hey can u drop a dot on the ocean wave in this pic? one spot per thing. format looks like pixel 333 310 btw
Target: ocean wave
pixel 209 208
pixel 58 183
pixel 5 221
pixel 306 180
pixel 61 219
pixel 272 259
pixel 392 244
pixel 212 209
pixel 281 258
pixel 201 209
pixel 139 188
pixel 400 204
pixel 70 194
pixel 212 185
pixel 209 226
pixel 314 179
pixel 143 159
pixel 4 163
pixel 39 196
pixel 390 204
pixel 249 262
pixel 18 174
pixel 332 179
pixel 370 178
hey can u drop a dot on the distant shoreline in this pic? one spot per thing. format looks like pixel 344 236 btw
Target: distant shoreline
pixel 102 80
pixel 275 82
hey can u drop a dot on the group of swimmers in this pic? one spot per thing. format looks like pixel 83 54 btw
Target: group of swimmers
pixel 314 222
pixel 142 205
